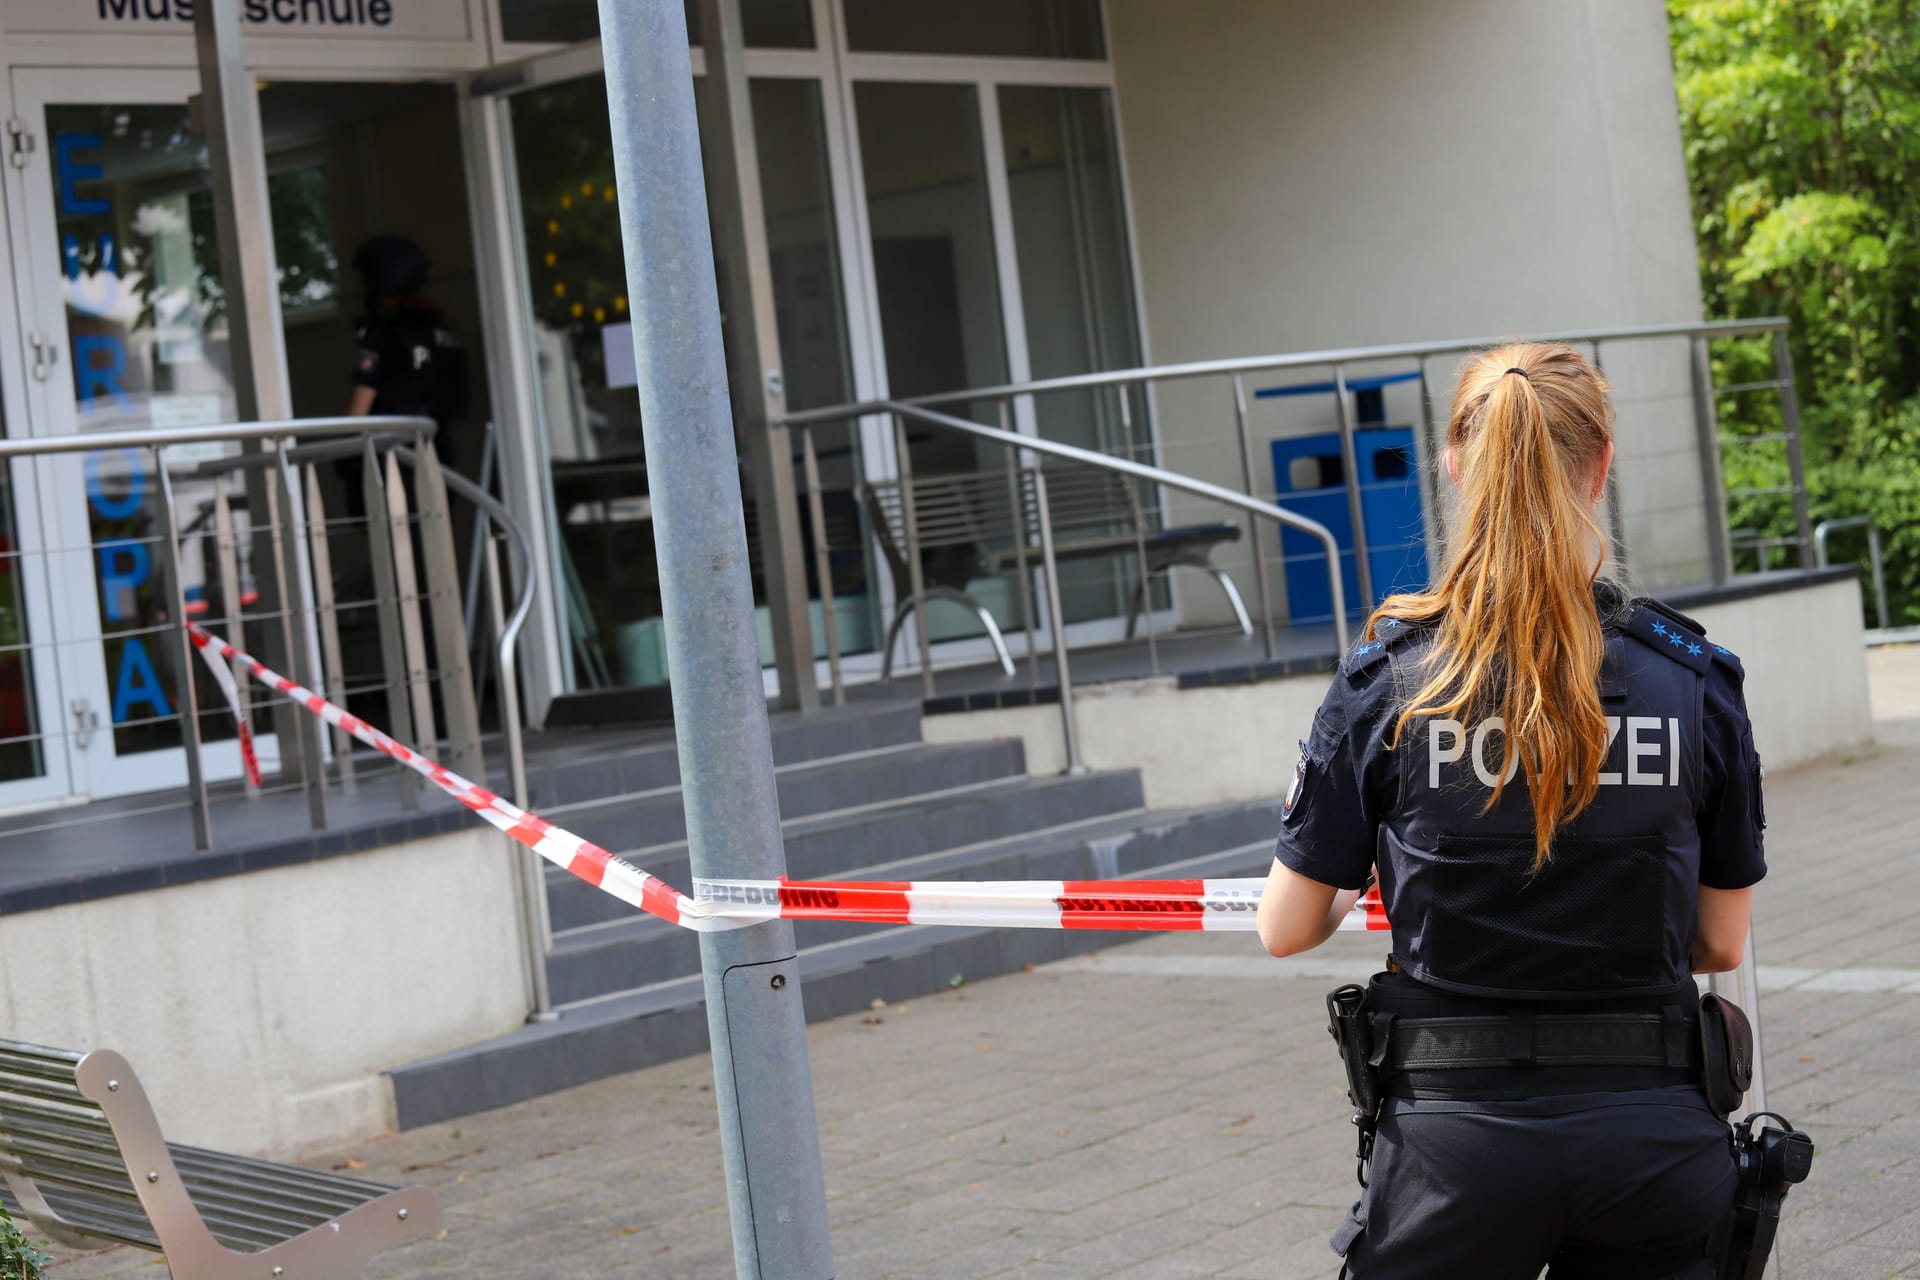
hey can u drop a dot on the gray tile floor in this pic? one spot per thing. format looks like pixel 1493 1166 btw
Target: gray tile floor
pixel 1172 1109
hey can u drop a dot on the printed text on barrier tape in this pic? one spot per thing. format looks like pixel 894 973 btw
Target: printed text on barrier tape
pixel 1224 904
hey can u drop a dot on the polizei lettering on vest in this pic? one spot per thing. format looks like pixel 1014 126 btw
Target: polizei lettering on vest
pixel 1652 750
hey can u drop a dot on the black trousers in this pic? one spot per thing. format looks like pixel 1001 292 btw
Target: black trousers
pixel 1626 1186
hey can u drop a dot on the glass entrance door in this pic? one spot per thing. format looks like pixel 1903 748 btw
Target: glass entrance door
pixel 120 278
pixel 1000 254
pixel 580 338
pixel 33 745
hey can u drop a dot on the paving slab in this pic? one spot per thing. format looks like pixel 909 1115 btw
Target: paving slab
pixel 1172 1108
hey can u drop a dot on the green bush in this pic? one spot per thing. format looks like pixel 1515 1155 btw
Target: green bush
pixel 20 1258
pixel 1801 120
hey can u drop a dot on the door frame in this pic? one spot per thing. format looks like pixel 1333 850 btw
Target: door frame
pixel 55 781
pixel 835 68
pixel 96 769
pixel 987 75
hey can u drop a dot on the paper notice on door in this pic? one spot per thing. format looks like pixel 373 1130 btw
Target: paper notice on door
pixel 170 412
pixel 616 342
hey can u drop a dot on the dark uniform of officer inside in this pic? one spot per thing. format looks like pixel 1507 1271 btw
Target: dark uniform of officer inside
pixel 411 360
pixel 1556 790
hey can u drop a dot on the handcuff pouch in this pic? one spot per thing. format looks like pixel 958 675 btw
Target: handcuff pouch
pixel 1726 1050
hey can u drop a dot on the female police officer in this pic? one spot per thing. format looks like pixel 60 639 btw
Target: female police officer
pixel 1558 790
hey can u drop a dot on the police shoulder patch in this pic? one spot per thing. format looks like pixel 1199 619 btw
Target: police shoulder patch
pixel 1671 633
pixel 1388 633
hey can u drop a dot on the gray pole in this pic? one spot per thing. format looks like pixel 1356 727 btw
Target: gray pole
pixel 762 1082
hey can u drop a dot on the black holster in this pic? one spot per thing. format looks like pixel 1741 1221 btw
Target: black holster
pixel 1726 1053
pixel 1349 1022
pixel 1769 1160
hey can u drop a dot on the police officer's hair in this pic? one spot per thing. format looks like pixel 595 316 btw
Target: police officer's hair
pixel 1516 632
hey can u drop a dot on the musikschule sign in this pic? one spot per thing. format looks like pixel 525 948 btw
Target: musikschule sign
pixel 408 19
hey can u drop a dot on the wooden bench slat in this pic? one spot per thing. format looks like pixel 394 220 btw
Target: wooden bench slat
pixel 104 1218
pixel 230 1219
pixel 16 1113
pixel 47 1090
pixel 41 1052
pixel 220 1189
pixel 27 1068
pixel 106 1164
pixel 47 1175
pixel 362 1188
pixel 994 514
pixel 67 1122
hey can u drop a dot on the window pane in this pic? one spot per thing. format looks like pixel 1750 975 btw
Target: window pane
pixel 770 24
pixel 19 714
pixel 303 237
pixel 582 336
pixel 1070 236
pixel 1076 290
pixel 147 321
pixel 933 253
pixel 1002 28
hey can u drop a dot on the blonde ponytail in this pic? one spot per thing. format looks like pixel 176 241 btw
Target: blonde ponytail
pixel 1516 630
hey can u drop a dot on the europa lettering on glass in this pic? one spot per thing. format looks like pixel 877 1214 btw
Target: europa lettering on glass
pixel 123 566
pixel 99 359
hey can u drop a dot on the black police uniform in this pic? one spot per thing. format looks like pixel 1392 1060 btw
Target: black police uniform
pixel 416 365
pixel 1617 1171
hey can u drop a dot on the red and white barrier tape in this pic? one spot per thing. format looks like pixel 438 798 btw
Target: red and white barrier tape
pixel 223 676
pixel 1226 904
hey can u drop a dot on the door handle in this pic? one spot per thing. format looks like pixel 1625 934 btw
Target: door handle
pixel 86 722
pixel 46 354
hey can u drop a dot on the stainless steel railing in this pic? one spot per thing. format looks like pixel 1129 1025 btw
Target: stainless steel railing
pixel 1875 558
pixel 251 542
pixel 1017 445
pixel 1769 476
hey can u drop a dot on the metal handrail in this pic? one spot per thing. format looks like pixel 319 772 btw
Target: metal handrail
pixel 238 432
pixel 341 437
pixel 1014 440
pixel 921 409
pixel 1289 360
pixel 364 426
pixel 1875 558
pixel 507 628
pixel 1143 471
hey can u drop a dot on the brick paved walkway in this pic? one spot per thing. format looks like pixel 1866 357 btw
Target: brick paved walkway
pixel 1172 1108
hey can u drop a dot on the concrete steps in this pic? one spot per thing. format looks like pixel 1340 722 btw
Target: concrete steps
pixel 861 797
pixel 843 968
pixel 629 950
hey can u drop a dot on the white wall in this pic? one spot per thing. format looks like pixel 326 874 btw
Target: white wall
pixel 260 1010
pixel 1805 656
pixel 1308 175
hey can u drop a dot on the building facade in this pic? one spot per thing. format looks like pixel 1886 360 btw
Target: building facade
pixel 954 197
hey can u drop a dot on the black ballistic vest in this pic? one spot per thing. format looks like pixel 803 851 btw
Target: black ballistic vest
pixel 1614 911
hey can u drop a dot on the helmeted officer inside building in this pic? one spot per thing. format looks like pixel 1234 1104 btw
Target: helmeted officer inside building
pixel 411 359
pixel 1557 788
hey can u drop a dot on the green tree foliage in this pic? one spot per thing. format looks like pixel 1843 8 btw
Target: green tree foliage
pixel 1802 127
pixel 20 1258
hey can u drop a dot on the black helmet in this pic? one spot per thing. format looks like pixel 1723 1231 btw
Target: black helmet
pixel 391 264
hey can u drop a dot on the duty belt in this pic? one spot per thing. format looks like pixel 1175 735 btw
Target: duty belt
pixel 1667 1038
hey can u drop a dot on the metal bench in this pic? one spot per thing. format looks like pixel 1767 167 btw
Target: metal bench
pixel 968 525
pixel 81 1156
